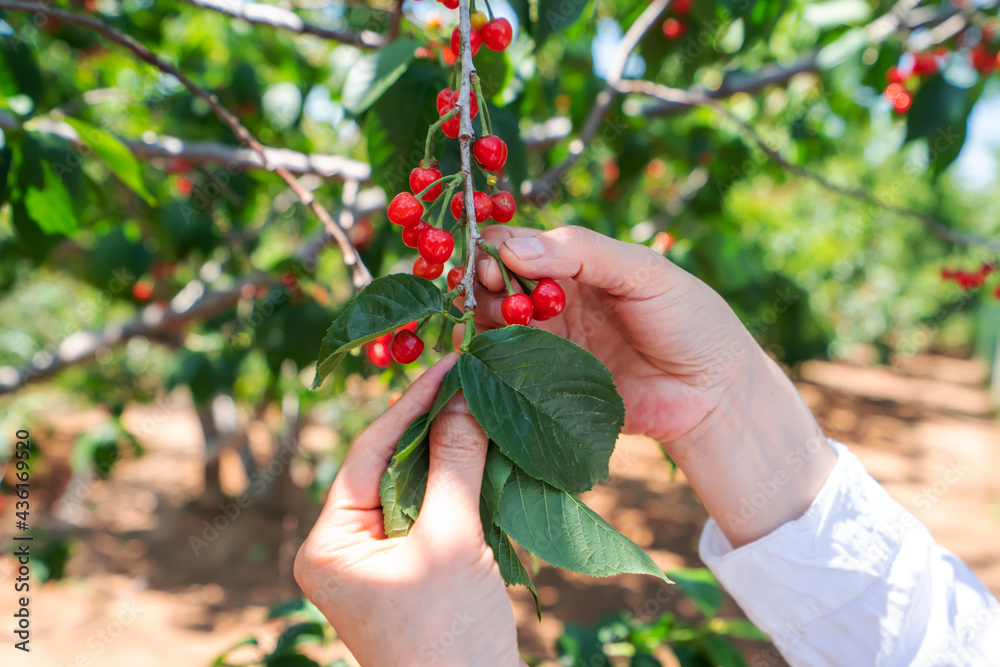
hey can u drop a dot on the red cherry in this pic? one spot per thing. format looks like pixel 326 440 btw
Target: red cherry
pixel 436 245
pixel 517 309
pixel 924 64
pixel 497 35
pixel 893 90
pixel 425 269
pixel 420 178
pixel 475 39
pixel 672 28
pixel 443 101
pixel 450 4
pixel 409 326
pixel 184 186
pixel 503 206
pixel 142 290
pixel 682 7
pixel 378 353
pixel 893 75
pixel 451 127
pixel 406 346
pixel 548 299
pixel 455 276
pixel 482 202
pixel 457 206
pixel 996 292
pixel 448 56
pixel 405 210
pixel 901 104
pixel 984 61
pixel 473 102
pixel 411 234
pixel 490 152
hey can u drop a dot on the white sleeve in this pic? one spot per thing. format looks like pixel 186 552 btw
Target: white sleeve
pixel 857 580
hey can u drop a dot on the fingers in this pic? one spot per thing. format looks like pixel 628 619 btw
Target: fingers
pixel 356 485
pixel 458 455
pixel 621 269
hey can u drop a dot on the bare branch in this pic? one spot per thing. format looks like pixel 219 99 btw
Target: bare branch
pixel 677 96
pixel 465 137
pixel 154 321
pixel 283 19
pixel 351 257
pixel 331 167
pixel 540 191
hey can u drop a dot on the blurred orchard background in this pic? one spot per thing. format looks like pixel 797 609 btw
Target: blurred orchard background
pixel 829 167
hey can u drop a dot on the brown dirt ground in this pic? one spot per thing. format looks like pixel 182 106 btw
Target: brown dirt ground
pixel 137 594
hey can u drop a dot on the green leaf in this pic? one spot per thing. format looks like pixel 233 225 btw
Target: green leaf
pixel 550 405
pixel 699 584
pixel 373 73
pixel 405 479
pixel 737 627
pixel 562 531
pixel 6 159
pixel 51 207
pixel 383 306
pixel 401 489
pixel 722 652
pixel 396 126
pixel 495 476
pixel 297 634
pixel 556 15
pixel 939 113
pixel 116 155
pixel 511 567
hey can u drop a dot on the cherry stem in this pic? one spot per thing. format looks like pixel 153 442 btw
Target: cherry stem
pixel 485 120
pixel 447 197
pixel 470 330
pixel 429 204
pixel 485 173
pixel 493 252
pixel 439 345
pixel 489 9
pixel 429 143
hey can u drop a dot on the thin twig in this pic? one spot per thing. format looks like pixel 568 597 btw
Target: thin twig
pixel 351 257
pixel 541 190
pixel 155 322
pixel 465 137
pixel 677 96
pixel 276 17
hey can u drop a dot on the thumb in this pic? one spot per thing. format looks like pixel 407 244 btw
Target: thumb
pixel 621 269
pixel 455 477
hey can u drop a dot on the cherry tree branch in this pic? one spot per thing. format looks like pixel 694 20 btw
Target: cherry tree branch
pixel 540 191
pixel 283 19
pixel 465 137
pixel 154 321
pixel 689 98
pixel 351 258
pixel 331 167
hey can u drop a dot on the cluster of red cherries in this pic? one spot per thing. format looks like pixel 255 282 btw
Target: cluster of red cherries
pixel 901 77
pixel 435 245
pixel 972 280
pixel 676 26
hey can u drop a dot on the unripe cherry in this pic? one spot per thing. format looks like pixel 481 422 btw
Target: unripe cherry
pixel 405 210
pixel 548 299
pixel 491 152
pixel 478 20
pixel 436 245
pixel 425 269
pixel 517 309
pixel 411 234
pixel 406 346
pixel 420 178
pixel 503 206
pixel 497 34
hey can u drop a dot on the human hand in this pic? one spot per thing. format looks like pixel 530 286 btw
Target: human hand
pixel 691 375
pixel 434 596
pixel 673 345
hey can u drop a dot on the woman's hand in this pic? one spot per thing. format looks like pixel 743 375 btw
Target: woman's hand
pixel 691 375
pixel 672 344
pixel 434 596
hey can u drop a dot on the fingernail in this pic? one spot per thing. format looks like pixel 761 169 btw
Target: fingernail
pixel 525 248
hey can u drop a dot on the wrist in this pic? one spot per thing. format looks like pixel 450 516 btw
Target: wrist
pixel 759 458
